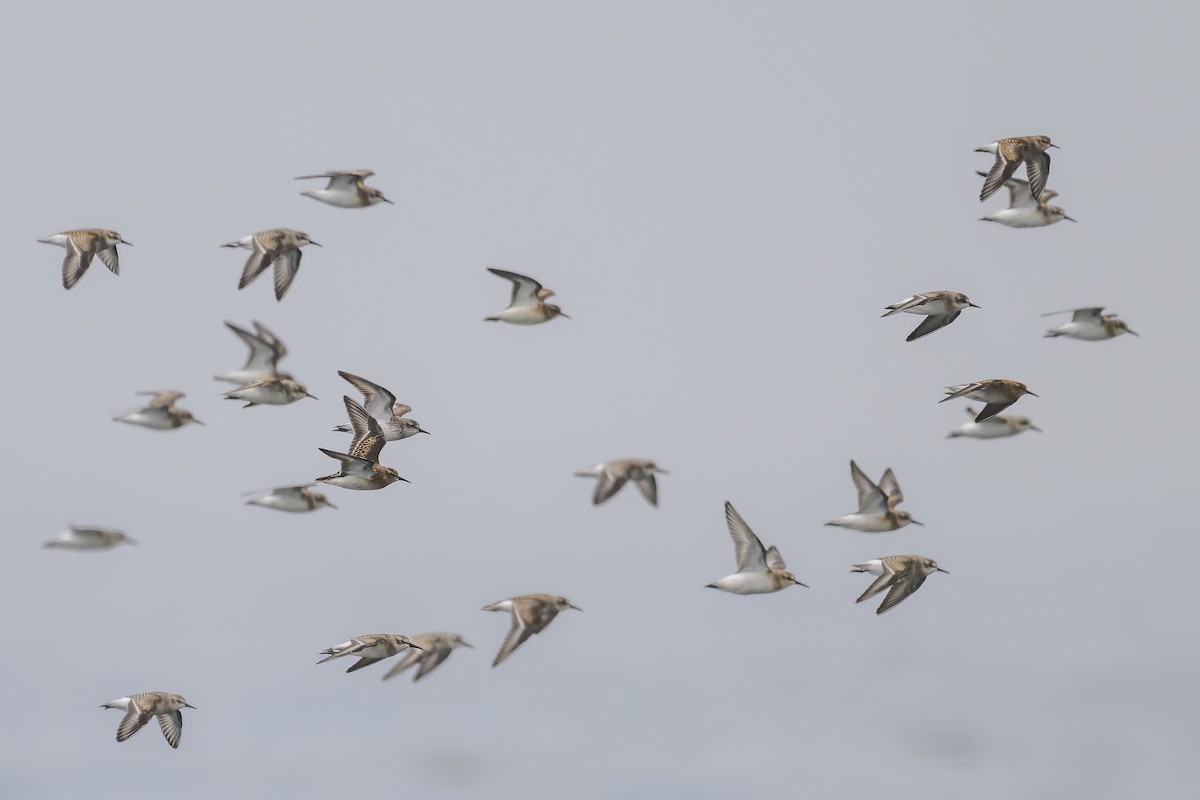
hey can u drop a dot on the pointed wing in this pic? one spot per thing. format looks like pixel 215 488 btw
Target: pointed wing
pixel 1087 314
pixel 649 488
pixel 891 489
pixel 525 289
pixel 163 399
pixel 410 657
pixel 521 629
pixel 932 323
pixel 365 661
pixel 430 662
pixel 377 400
pixel 870 499
pixel 878 585
pixel 1037 167
pixel 368 436
pixel 109 257
pixel 1019 195
pixel 259 260
pixel 992 409
pixel 75 264
pixel 609 484
pixel 1000 172
pixel 904 585
pixel 171 725
pixel 262 356
pixel 960 390
pixel 352 465
pixel 775 559
pixel 747 549
pixel 271 340
pixel 132 722
pixel 906 304
pixel 287 264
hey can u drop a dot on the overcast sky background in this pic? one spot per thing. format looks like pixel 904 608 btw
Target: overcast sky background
pixel 724 198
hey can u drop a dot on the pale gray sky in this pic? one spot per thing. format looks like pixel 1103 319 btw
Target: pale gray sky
pixel 724 198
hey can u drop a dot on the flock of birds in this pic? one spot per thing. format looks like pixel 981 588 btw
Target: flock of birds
pixel 380 419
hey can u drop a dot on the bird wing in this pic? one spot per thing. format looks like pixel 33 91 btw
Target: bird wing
pixel 287 264
pixel 870 499
pixel 75 264
pixel 747 549
pixel 525 289
pixel 377 400
pixel 891 489
pixel 932 323
pixel 904 584
pixel 1037 167
pixel 171 725
pixel 1000 172
pixel 649 488
pixel 109 257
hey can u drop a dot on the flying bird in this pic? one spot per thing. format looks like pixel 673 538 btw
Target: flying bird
pixel 139 708
pixel 876 504
pixel 758 570
pixel 531 613
pixel 346 189
pixel 614 474
pixel 528 305
pixel 900 575
pixel 81 246
pixel 279 247
pixel 940 309
pixel 1010 153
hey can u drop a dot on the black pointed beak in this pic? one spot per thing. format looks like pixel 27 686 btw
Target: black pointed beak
pixel 577 608
pixel 1135 333
pixel 1057 148
pixel 385 200
pixel 422 430
pixel 1031 393
pixel 972 305
pixel 939 569
pixel 915 522
pixel 313 396
pixel 1036 428
pixel 318 244
pixel 188 705
pixel 1070 218
pixel 122 241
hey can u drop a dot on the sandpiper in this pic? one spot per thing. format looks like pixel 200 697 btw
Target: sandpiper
pixel 360 467
pixel 78 537
pixel 139 708
pixel 614 474
pixel 81 246
pixel 346 189
pixel 160 413
pixel 758 570
pixel 876 504
pixel 528 305
pixel 369 648
pixel 940 308
pixel 263 363
pixel 278 246
pixel 1009 154
pixel 1089 325
pixel 531 613
pixel 381 404
pixel 901 575
pixel 1023 211
pixel 434 649
pixel 271 392
pixel 997 393
pixel 297 499
pixel 993 427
